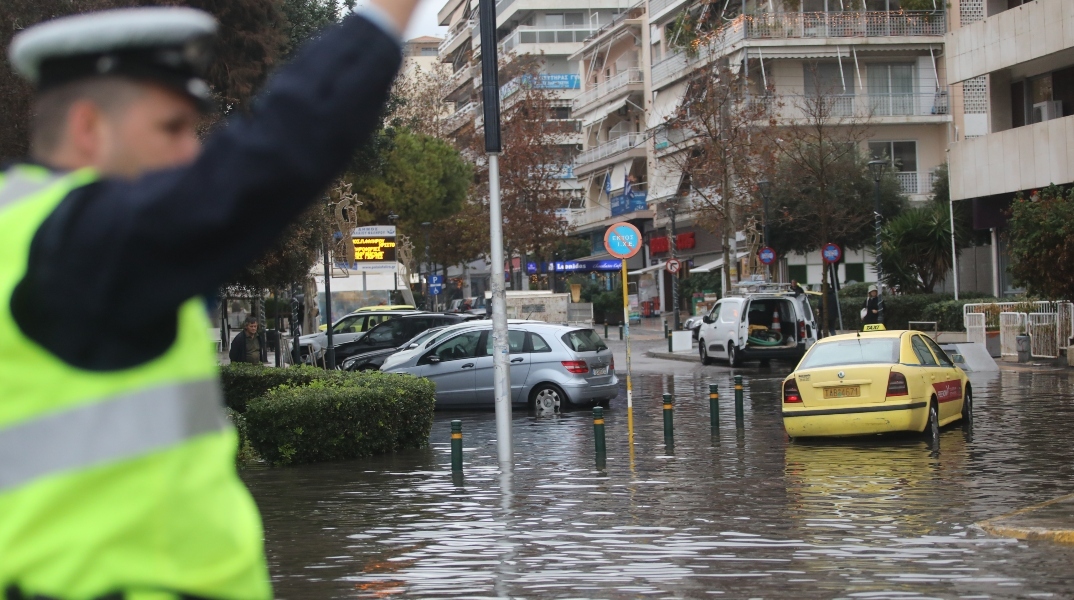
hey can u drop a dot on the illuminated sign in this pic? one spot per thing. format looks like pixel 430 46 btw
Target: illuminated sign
pixel 374 249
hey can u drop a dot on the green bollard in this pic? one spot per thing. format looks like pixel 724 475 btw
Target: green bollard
pixel 456 445
pixel 714 406
pixel 665 329
pixel 669 342
pixel 738 400
pixel 605 330
pixel 669 420
pixel 620 331
pixel 598 430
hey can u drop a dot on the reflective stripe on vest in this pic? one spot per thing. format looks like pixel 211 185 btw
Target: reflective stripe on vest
pixel 16 186
pixel 121 428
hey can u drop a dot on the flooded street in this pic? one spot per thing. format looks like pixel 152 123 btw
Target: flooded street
pixel 741 514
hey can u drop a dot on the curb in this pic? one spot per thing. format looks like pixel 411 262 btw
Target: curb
pixel 994 526
pixel 672 356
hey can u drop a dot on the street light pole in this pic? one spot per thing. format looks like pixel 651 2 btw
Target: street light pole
pixel 877 167
pixel 674 276
pixel 330 352
pixel 765 187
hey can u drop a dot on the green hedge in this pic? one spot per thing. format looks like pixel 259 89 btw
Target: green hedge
pixel 900 310
pixel 340 417
pixel 243 382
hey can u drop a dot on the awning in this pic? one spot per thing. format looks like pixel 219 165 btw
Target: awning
pixel 715 265
pixel 666 104
pixel 599 114
pixel 664 180
pixel 619 173
pixel 649 269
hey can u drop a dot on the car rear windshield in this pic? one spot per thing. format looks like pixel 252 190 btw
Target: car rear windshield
pixel 584 340
pixel 852 352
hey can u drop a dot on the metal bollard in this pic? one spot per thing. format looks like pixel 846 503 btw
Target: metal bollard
pixel 669 420
pixel 598 430
pixel 605 331
pixel 738 400
pixel 620 331
pixel 665 329
pixel 670 346
pixel 456 445
pixel 714 406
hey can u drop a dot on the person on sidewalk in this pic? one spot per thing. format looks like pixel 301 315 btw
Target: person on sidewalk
pixel 118 476
pixel 870 310
pixel 247 346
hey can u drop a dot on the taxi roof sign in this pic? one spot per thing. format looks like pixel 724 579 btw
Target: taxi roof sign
pixel 876 327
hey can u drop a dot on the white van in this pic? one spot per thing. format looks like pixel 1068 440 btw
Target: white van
pixel 758 322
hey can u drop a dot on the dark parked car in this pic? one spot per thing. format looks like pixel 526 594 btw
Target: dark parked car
pixel 391 335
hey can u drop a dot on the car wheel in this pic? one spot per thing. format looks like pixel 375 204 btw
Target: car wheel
pixel 547 398
pixel 932 427
pixel 732 355
pixel 703 350
pixel 967 408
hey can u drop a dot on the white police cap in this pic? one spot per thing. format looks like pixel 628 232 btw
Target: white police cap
pixel 166 45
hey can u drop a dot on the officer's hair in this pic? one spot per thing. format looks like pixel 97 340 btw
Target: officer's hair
pixel 50 108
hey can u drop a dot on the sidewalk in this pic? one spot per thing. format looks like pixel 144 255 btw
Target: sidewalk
pixel 1051 521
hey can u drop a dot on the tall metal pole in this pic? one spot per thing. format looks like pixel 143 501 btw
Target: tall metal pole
pixel 330 352
pixel 490 83
pixel 954 248
pixel 673 244
pixel 428 268
pixel 879 262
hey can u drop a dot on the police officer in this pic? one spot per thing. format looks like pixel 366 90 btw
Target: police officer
pixel 117 476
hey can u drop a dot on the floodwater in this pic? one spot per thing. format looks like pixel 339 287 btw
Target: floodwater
pixel 745 513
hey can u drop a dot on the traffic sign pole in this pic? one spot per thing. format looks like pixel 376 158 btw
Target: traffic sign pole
pixel 623 241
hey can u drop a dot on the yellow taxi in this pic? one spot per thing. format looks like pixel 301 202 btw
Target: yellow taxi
pixel 875 382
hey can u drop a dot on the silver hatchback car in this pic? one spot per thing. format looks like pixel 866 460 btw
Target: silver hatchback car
pixel 550 365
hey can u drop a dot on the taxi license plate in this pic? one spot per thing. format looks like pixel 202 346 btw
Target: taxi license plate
pixel 843 391
pixel 600 370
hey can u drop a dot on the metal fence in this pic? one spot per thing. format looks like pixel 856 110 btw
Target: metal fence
pixel 975 328
pixel 1043 335
pixel 1050 325
pixel 580 312
pixel 1011 325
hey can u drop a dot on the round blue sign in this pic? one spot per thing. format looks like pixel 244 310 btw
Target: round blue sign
pixel 767 255
pixel 831 253
pixel 622 240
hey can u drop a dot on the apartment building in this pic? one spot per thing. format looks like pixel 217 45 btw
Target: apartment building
pixel 421 53
pixel 1011 65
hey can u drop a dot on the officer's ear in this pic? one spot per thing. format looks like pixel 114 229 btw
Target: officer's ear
pixel 86 132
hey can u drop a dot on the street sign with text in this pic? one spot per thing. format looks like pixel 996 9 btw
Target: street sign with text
pixel 622 240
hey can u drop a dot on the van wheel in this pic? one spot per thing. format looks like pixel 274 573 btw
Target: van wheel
pixel 546 398
pixel 703 350
pixel 732 355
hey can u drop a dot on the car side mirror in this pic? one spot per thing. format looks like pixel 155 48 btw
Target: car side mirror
pixel 958 359
pixel 707 320
pixel 432 359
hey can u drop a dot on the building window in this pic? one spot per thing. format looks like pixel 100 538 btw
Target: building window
pixel 855 272
pixel 827 79
pixel 799 273
pixel 903 155
pixel 429 51
pixel 891 89
pixel 553 20
pixel 574 19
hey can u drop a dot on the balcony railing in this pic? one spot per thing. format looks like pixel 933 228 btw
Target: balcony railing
pixel 459 77
pixel 865 106
pixel 460 117
pixel 611 148
pixel 657 6
pixel 603 89
pixel 794 25
pixel 460 28
pixel 567 34
pixel 909 181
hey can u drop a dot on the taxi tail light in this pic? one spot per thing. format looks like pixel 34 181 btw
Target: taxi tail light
pixel 576 366
pixel 801 330
pixel 790 392
pixel 897 384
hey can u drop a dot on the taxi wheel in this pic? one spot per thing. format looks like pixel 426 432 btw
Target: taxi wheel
pixel 967 407
pixel 702 349
pixel 932 427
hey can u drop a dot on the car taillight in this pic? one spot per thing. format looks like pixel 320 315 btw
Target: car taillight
pixel 897 384
pixel 801 330
pixel 576 366
pixel 611 367
pixel 790 392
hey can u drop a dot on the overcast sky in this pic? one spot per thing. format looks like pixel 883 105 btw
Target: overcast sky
pixel 424 22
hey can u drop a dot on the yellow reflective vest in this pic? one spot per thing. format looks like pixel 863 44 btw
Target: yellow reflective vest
pixel 117 482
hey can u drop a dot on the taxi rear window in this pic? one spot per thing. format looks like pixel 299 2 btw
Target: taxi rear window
pixel 852 352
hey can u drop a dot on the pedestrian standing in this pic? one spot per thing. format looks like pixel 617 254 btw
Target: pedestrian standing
pixel 118 467
pixel 247 346
pixel 870 310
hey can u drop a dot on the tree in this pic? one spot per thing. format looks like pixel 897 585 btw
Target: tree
pixel 1040 236
pixel 822 189
pixel 421 93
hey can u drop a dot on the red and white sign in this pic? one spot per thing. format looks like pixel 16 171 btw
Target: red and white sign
pixel 948 391
pixel 673 265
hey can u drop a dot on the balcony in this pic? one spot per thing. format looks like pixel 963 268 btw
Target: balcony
pixel 459 78
pixel 610 148
pixel 657 7
pixel 1032 31
pixel 525 34
pixel 801 26
pixel 458 33
pixel 460 117
pixel 621 81
pixel 866 106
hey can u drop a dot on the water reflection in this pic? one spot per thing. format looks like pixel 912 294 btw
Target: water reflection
pixel 743 512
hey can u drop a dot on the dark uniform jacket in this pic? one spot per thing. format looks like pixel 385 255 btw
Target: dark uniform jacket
pixel 119 257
